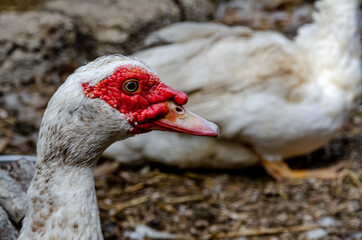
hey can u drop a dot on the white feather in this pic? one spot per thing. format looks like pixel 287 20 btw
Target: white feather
pixel 284 97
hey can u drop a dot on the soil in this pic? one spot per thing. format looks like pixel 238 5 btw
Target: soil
pixel 199 204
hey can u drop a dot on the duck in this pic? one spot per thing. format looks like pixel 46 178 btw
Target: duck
pixel 273 97
pixel 110 99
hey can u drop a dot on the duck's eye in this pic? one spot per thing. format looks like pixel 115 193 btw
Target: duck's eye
pixel 131 86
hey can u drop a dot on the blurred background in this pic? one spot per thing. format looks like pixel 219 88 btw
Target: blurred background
pixel 42 42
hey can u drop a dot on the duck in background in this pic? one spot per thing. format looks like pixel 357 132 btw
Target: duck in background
pixel 274 98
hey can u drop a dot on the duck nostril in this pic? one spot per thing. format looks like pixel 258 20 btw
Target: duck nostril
pixel 179 110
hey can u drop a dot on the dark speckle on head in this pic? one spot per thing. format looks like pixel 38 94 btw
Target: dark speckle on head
pixel 75 226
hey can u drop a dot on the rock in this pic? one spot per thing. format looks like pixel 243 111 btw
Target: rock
pixel 327 222
pixel 15 178
pixel 275 4
pixel 12 197
pixel 21 171
pixel 34 45
pixel 143 232
pixel 7 230
pixel 197 10
pixel 46 45
pixel 281 15
pixel 355 236
pixel 316 233
pixel 108 27
pixel 29 114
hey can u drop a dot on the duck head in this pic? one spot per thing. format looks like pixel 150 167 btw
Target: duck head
pixel 112 98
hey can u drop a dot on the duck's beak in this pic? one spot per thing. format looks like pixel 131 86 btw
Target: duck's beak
pixel 179 119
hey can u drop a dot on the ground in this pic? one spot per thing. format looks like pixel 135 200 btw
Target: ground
pixel 199 204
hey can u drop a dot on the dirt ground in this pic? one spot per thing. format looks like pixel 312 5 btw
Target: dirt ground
pixel 242 204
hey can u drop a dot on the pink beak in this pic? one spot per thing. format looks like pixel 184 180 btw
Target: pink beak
pixel 179 119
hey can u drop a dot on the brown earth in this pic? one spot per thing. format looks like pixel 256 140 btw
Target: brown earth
pixel 227 205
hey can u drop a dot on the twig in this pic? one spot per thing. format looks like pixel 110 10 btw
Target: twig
pixel 166 207
pixel 283 194
pixel 339 182
pixel 354 179
pixel 195 175
pixel 140 185
pixel 348 172
pixel 3 143
pixel 136 201
pixel 350 161
pixel 183 199
pixel 264 231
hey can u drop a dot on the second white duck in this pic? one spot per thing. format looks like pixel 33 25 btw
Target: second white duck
pixel 273 98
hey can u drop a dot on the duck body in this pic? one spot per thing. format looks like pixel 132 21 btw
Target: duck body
pixel 107 100
pixel 278 97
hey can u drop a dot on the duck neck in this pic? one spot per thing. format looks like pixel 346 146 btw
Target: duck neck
pixel 62 204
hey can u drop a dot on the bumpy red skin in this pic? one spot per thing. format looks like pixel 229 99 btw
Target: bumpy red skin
pixel 140 108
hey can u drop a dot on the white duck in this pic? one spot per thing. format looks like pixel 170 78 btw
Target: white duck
pixel 272 97
pixel 107 100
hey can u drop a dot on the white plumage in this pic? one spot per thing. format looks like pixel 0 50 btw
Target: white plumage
pixel 281 97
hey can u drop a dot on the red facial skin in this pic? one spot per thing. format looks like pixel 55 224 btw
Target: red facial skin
pixel 147 104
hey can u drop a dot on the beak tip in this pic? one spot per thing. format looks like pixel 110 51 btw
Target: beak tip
pixel 215 130
pixel 208 129
pixel 185 122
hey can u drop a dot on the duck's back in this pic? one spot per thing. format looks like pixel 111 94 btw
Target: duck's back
pixel 234 76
